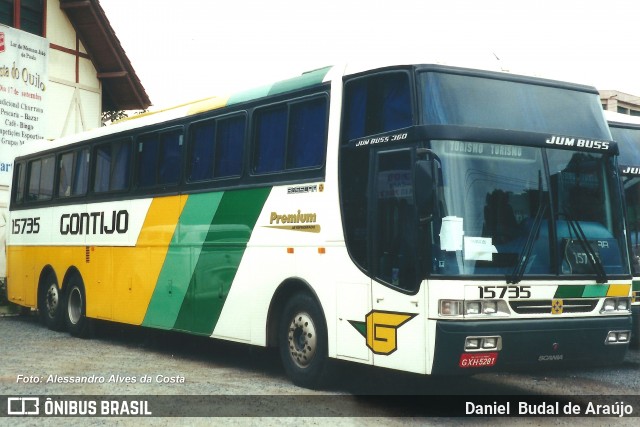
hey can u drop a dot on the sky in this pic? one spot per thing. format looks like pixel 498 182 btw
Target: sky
pixel 192 49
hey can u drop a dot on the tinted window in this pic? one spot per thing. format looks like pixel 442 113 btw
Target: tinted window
pixel 377 104
pixel 147 160
pixel 73 173
pixel 169 157
pixel 41 178
pixel 201 158
pixel 216 148
pixel 271 134
pixel 112 166
pixel 484 102
pixel 229 147
pixel 290 136
pixel 307 134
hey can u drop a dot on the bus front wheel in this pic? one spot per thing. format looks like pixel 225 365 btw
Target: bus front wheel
pixel 303 341
pixel 76 312
pixel 51 303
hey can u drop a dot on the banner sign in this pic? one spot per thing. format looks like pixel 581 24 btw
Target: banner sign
pixel 23 84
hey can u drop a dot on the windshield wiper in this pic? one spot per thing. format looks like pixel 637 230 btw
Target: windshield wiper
pixel 592 256
pixel 523 258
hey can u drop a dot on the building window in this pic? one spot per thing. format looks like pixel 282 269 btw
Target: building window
pixel 26 15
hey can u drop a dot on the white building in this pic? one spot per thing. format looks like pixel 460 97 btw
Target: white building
pixel 61 66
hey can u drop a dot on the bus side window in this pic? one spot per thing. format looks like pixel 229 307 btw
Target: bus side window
pixel 307 134
pixel 169 157
pixel 65 174
pixel 112 166
pixel 147 160
pixel 201 151
pixel 270 140
pixel 377 104
pixel 19 194
pixel 41 178
pixel 229 146
pixel 81 173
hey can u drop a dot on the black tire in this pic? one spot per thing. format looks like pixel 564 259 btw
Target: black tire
pixel 302 338
pixel 75 311
pixel 51 303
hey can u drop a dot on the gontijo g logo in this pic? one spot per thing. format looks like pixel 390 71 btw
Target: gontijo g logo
pixel 380 328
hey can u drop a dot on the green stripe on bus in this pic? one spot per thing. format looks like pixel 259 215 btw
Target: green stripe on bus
pixel 595 291
pixel 249 95
pixel 311 78
pixel 218 262
pixel 636 285
pixel 177 269
pixel 566 291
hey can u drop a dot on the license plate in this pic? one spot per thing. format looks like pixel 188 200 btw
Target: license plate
pixel 477 360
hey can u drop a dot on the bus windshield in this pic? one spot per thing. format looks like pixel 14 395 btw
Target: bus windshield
pixel 516 210
pixel 499 206
pixel 451 99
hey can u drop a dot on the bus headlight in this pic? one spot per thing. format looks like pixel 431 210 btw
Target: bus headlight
pixel 616 305
pixel 450 307
pixel 483 308
pixel 483 343
pixel 617 337
pixel 486 308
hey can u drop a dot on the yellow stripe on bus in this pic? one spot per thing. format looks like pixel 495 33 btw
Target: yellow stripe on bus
pixel 619 290
pixel 136 269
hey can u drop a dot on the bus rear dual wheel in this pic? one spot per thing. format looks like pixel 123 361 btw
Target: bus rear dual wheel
pixel 60 308
pixel 50 304
pixel 76 313
pixel 303 341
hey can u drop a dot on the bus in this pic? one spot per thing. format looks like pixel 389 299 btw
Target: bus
pixel 625 130
pixel 423 218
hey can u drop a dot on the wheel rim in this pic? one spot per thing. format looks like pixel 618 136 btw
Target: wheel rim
pixel 302 339
pixel 75 305
pixel 52 299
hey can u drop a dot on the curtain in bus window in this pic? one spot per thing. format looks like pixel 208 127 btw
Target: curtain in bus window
pixel 356 98
pixel 120 171
pixel 81 173
pixel 20 188
pixel 169 156
pixel 465 100
pixel 271 135
pixel 35 169
pixel 396 104
pixel 307 134
pixel 378 104
pixel 65 175
pixel 103 169
pixel 147 160
pixel 46 179
pixel 201 162
pixel 229 147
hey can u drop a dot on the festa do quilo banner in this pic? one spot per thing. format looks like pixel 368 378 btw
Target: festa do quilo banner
pixel 23 85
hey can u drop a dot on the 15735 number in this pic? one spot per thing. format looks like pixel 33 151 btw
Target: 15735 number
pixel 490 292
pixel 25 225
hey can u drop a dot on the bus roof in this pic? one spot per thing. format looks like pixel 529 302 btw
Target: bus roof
pixel 306 79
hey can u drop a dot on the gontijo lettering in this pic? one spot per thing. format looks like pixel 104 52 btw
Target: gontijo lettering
pixel 95 222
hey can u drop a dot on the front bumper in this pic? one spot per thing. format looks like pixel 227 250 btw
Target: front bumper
pixel 532 343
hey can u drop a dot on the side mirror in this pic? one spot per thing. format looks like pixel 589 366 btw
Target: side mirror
pixel 423 185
